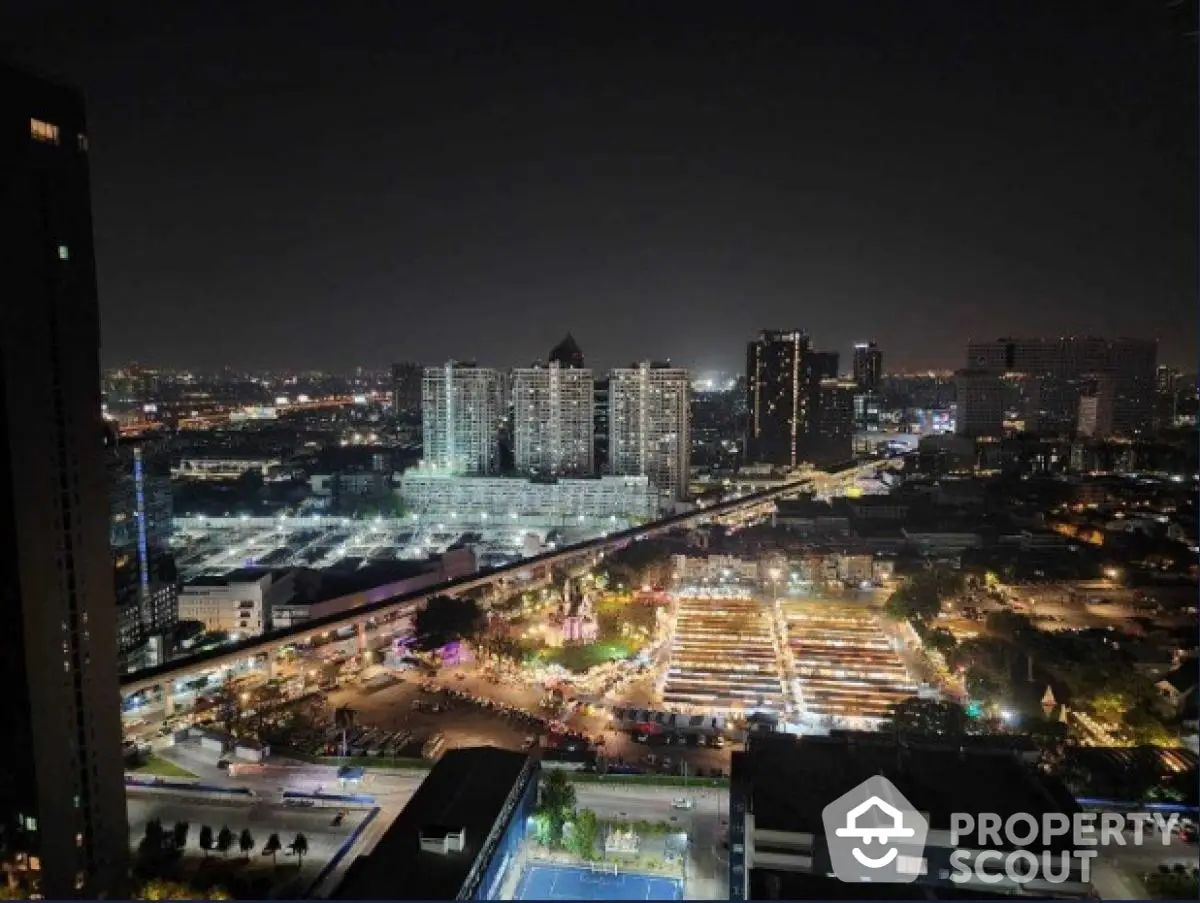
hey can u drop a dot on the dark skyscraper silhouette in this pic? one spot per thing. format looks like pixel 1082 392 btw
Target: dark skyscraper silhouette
pixel 62 796
pixel 567 353
pixel 868 366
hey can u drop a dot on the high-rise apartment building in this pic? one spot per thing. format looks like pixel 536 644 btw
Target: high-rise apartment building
pixel 649 426
pixel 144 572
pixel 1066 369
pixel 553 413
pixel 600 426
pixel 406 389
pixel 783 401
pixel 868 366
pixel 982 403
pixel 63 826
pixel 460 415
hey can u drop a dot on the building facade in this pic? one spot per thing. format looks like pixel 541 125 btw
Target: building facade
pixel 63 827
pixel 478 500
pixel 982 403
pixel 460 414
pixel 868 366
pixel 144 572
pixel 406 389
pixel 649 420
pixel 553 419
pixel 1066 369
pixel 783 393
pixel 239 602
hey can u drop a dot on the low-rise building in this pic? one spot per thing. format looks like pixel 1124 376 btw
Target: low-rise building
pixel 459 835
pixel 239 602
pixel 480 500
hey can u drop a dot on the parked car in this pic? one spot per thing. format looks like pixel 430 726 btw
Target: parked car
pixel 683 802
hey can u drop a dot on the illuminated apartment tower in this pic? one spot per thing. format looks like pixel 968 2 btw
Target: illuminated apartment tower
pixel 553 411
pixel 649 429
pixel 62 796
pixel 868 366
pixel 460 413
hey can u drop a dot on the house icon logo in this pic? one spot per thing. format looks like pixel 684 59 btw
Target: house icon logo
pixel 875 834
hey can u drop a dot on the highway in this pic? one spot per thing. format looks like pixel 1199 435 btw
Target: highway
pixel 366 617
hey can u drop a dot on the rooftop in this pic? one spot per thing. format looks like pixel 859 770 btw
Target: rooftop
pixel 792 780
pixel 466 790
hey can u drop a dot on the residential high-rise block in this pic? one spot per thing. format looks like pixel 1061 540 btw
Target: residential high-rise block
pixel 982 403
pixel 460 414
pixel 553 412
pixel 780 397
pixel 868 366
pixel 63 828
pixel 406 390
pixel 649 426
pixel 1067 368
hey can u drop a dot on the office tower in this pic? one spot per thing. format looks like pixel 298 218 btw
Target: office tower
pixel 1067 368
pixel 406 389
pixel 567 354
pixel 982 403
pixel 144 572
pixel 868 366
pixel 553 420
pixel 460 415
pixel 62 794
pixel 649 426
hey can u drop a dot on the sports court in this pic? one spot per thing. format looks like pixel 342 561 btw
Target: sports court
pixel 560 882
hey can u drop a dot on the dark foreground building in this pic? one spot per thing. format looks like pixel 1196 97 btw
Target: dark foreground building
pixel 62 797
pixel 780 786
pixel 457 837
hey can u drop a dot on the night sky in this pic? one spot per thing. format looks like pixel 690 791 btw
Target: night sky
pixel 332 184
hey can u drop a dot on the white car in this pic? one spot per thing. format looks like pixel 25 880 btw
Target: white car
pixel 683 802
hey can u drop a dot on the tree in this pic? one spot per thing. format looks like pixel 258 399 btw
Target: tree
pixel 180 834
pixel 556 802
pixel 206 839
pixel 445 619
pixel 941 640
pixel 246 842
pixel 224 840
pixel 584 831
pixel 154 836
pixel 162 889
pixel 300 847
pixel 272 847
pixel 1009 624
pixel 917 717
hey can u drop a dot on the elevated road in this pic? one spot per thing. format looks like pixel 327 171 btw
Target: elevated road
pixel 367 618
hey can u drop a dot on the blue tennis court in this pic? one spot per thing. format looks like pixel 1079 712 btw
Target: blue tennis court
pixel 554 882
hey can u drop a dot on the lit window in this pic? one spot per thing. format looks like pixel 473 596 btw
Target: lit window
pixel 64 253
pixel 43 131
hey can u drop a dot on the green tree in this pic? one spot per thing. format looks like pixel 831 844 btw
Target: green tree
pixel 941 640
pixel 917 717
pixel 556 802
pixel 1009 624
pixel 584 830
pixel 163 889
pixel 246 842
pixel 445 619
pixel 180 834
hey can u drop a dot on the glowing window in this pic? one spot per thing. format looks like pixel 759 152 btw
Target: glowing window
pixel 43 131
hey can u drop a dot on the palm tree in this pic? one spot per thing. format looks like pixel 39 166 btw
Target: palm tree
pixel 206 839
pixel 272 848
pixel 300 847
pixel 224 840
pixel 246 842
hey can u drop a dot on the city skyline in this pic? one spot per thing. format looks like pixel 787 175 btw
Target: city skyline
pixel 659 189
